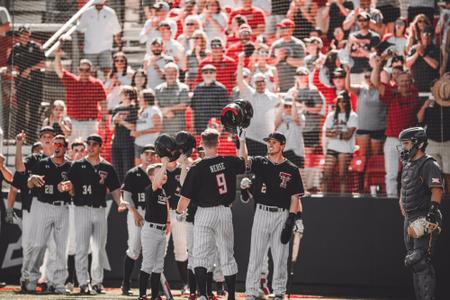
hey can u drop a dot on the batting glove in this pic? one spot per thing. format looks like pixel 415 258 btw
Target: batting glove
pixel 181 217
pixel 11 216
pixel 246 183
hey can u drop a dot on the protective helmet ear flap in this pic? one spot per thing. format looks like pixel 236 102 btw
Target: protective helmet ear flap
pixel 232 116
pixel 185 142
pixel 166 146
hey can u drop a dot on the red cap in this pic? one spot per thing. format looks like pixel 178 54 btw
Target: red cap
pixel 286 23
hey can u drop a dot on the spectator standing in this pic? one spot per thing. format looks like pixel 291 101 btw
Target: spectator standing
pixel 417 7
pixel 100 26
pixel 208 99
pixel 243 45
pixel 436 120
pixel 288 53
pixel 182 14
pixel 416 27
pixel 260 64
pixel 214 21
pixel 264 110
pixel 172 48
pixel 375 18
pixel 173 99
pixel 360 45
pixel 303 14
pixel 390 10
pixel 402 107
pixel 120 75
pixel 313 49
pixel 371 116
pixel 340 127
pixel 85 95
pixel 139 80
pixel 312 103
pixel 27 59
pixel 398 37
pixel 290 121
pixel 148 123
pixel 225 66
pixel 423 61
pixel 335 12
pixel 235 94
pixel 255 16
pixel 124 119
pixel 279 10
pixel 58 119
pixel 195 55
pixel 191 25
pixel 233 30
pixel 150 30
pixel 154 63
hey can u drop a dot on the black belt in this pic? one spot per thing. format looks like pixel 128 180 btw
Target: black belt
pixel 91 205
pixel 55 203
pixel 270 208
pixel 156 226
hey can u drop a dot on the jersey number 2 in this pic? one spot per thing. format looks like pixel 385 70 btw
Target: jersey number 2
pixel 221 183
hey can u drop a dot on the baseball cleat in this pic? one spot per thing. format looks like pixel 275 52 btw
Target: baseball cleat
pixel 185 290
pixel 86 289
pixel 98 288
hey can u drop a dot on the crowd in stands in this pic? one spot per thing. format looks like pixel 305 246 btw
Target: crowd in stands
pixel 339 78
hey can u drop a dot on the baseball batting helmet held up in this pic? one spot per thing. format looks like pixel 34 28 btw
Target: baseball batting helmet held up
pixel 247 108
pixel 166 146
pixel 185 142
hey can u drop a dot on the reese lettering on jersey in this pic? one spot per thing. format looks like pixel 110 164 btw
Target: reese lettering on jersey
pixel 92 182
pixel 136 181
pixel 53 175
pixel 274 184
pixel 156 205
pixel 212 181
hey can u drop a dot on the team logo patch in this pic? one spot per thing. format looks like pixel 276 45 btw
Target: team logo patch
pixel 285 178
pixel 64 175
pixel 177 178
pixel 103 175
pixel 435 180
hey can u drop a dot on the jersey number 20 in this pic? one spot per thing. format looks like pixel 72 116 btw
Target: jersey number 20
pixel 221 183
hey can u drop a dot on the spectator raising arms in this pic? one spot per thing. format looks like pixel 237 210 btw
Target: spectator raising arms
pixel 120 75
pixel 195 55
pixel 260 64
pixel 214 21
pixel 124 120
pixel 172 48
pixel 58 119
pixel 173 99
pixel 340 127
pixel 191 25
pixel 255 16
pixel 84 96
pixel 154 63
pixel 148 123
pixel 159 14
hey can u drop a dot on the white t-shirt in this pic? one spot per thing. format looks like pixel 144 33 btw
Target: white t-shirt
pixel 341 146
pixel 293 134
pixel 144 122
pixel 210 30
pixel 148 32
pixel 99 28
pixel 113 98
pixel 264 110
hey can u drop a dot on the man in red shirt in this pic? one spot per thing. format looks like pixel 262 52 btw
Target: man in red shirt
pixel 255 16
pixel 85 96
pixel 225 66
pixel 243 45
pixel 402 107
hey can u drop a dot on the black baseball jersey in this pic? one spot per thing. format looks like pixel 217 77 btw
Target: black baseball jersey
pixel 53 175
pixel 274 184
pixel 136 182
pixel 91 182
pixel 173 186
pixel 156 206
pixel 212 181
pixel 20 179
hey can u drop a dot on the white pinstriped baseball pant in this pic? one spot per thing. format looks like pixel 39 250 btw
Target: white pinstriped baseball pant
pixel 134 235
pixel 48 219
pixel 153 247
pixel 213 231
pixel 178 234
pixel 90 221
pixel 266 232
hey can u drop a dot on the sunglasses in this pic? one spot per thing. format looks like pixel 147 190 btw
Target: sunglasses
pixel 58 145
pixel 363 20
pixel 84 70
pixel 260 81
pixel 421 21
pixel 190 24
pixel 263 52
pixel 209 72
pixel 216 46
pixel 198 37
pixel 119 60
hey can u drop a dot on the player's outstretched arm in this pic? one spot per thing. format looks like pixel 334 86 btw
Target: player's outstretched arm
pixel 117 197
pixel 159 174
pixel 182 205
pixel 138 220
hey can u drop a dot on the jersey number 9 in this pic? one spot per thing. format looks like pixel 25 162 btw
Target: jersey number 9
pixel 221 183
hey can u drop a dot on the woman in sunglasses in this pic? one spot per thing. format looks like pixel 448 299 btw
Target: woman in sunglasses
pixel 191 24
pixel 416 27
pixel 120 75
pixel 259 64
pixel 339 127
pixel 214 20
pixel 398 37
pixel 58 119
pixel 195 55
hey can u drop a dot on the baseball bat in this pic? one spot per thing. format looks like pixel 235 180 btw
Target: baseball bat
pixel 166 287
pixel 294 256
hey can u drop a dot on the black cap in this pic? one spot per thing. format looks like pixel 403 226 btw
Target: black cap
pixel 216 43
pixel 339 73
pixel 157 40
pixel 24 28
pixel 148 147
pixel 95 138
pixel 278 136
pixel 47 129
pixel 35 145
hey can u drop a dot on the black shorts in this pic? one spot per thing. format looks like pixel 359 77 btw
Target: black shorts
pixel 390 13
pixel 373 134
pixel 299 161
pixel 335 153
pixel 311 138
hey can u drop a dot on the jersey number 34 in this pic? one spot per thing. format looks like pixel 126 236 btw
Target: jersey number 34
pixel 221 183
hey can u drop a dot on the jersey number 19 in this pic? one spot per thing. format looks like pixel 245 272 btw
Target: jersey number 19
pixel 221 183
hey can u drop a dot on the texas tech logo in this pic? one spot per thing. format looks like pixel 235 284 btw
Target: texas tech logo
pixel 103 175
pixel 285 178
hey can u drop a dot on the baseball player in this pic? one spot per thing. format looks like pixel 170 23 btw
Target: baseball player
pixel 211 184
pixel 135 183
pixel 157 223
pixel 23 170
pixel 91 177
pixel 277 189
pixel 177 228
pixel 50 214
pixel 77 152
